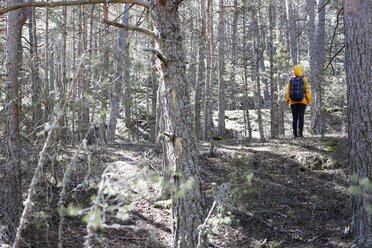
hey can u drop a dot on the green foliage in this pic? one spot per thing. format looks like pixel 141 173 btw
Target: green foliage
pixel 217 138
pixel 94 217
pixel 271 244
pixel 331 145
pixel 361 186
pixel 241 175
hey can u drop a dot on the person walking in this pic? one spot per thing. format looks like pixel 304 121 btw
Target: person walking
pixel 298 95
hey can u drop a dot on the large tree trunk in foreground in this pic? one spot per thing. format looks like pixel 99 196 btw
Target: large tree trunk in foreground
pixel 11 190
pixel 180 147
pixel 358 39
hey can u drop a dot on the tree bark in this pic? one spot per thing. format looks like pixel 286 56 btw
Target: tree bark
pixel 282 80
pixel 234 47
pixel 292 32
pixel 201 70
pixel 207 91
pixel 36 82
pixel 221 70
pixel 245 104
pixel 180 145
pixel 274 122
pixel 317 125
pixel 257 56
pixel 358 57
pixel 311 44
pixel 122 57
pixel 12 189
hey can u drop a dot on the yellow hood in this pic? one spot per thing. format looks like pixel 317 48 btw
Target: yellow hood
pixel 297 70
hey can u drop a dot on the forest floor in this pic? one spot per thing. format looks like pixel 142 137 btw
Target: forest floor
pixel 279 193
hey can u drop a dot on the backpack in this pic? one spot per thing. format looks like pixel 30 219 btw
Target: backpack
pixel 296 91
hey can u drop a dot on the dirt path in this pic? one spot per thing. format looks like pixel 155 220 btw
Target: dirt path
pixel 280 193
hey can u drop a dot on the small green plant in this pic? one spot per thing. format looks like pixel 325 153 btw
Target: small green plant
pixel 331 145
pixel 361 186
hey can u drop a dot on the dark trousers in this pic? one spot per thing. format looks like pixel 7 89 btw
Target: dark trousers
pixel 298 112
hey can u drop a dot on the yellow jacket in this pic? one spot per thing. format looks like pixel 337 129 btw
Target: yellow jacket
pixel 297 71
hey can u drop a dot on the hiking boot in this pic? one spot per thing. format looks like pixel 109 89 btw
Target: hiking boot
pixel 301 136
pixel 294 134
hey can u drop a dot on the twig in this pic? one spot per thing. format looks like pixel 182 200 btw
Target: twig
pixel 202 227
pixel 334 56
pixel 43 154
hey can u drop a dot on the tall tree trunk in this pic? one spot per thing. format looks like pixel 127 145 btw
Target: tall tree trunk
pixel 221 71
pixel 122 58
pixel 317 125
pixel 207 91
pixel 311 44
pixel 36 82
pixel 245 104
pixel 85 122
pixel 188 209
pixel 292 32
pixel 154 102
pixel 12 189
pixel 274 122
pixel 61 133
pixel 201 70
pixel 234 45
pixel 358 57
pixel 257 56
pixel 48 100
pixel 282 80
pixel 106 60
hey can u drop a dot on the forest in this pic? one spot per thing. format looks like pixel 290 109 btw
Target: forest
pixel 186 123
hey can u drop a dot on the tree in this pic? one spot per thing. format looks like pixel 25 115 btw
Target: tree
pixel 274 122
pixel 122 62
pixel 311 45
pixel 292 32
pixel 201 70
pixel 180 142
pixel 13 170
pixel 221 71
pixel 208 78
pixel 358 41
pixel 317 125
pixel 234 56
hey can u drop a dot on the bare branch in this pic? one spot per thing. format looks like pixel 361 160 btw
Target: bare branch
pixel 130 27
pixel 70 3
pixel 158 54
pixel 43 155
pixel 334 56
